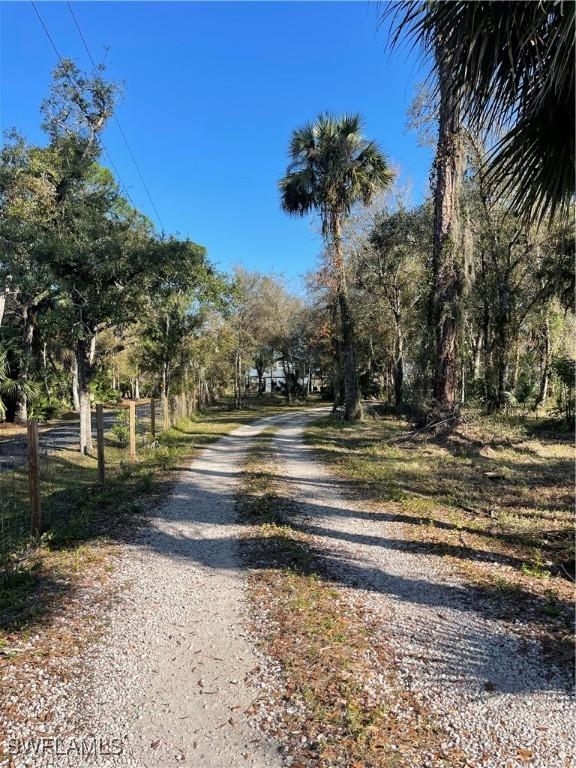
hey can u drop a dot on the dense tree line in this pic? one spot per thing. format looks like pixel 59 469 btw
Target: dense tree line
pixel 470 295
pixel 467 297
pixel 95 305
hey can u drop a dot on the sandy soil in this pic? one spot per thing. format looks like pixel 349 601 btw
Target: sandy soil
pixel 167 683
pixel 501 702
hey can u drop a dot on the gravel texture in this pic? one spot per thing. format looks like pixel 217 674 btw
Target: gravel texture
pixel 167 682
pixel 490 688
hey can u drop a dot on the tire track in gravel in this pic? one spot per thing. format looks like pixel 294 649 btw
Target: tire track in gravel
pixel 168 679
pixel 490 689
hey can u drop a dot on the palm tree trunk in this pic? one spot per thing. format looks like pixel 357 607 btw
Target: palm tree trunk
pixel 447 279
pixel 336 350
pixel 352 403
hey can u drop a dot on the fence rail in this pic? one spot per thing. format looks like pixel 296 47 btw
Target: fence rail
pixel 40 468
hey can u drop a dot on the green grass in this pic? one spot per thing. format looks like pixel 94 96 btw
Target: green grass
pixel 84 519
pixel 490 479
pixel 495 496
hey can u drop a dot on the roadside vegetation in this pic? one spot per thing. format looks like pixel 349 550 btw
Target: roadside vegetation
pixel 88 520
pixel 493 498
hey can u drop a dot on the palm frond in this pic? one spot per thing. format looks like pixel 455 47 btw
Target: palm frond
pixel 510 67
pixel 332 167
pixel 297 192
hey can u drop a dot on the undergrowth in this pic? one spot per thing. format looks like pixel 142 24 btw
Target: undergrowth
pixel 86 521
pixel 494 496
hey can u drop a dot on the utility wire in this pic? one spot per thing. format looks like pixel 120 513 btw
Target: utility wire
pixel 117 121
pixel 75 88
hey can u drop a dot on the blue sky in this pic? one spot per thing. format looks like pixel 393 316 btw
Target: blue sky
pixel 212 92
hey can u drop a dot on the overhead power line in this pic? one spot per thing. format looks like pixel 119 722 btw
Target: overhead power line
pixel 117 121
pixel 75 88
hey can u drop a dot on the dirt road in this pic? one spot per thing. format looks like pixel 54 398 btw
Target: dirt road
pixel 166 684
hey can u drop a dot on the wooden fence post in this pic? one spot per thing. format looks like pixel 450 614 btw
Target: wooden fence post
pixel 132 430
pixel 34 475
pixel 166 413
pixel 100 440
pixel 153 419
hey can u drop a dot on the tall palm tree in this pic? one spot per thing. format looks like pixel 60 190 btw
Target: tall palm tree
pixel 505 69
pixel 508 67
pixel 333 167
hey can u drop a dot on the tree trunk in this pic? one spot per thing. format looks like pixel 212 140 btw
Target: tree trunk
pixel 337 366
pixel 45 369
pixel 544 367
pixel 29 318
pixel 516 369
pixel 21 414
pixel 398 365
pixel 287 383
pixel 260 373
pixel 477 355
pixel 237 383
pixel 352 403
pixel 84 358
pixel 447 277
pixel 398 369
pixel 4 292
pixel 165 380
pixel 502 343
pixel 75 393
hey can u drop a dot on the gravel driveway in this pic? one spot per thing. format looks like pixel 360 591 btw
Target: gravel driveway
pixel 166 684
pixel 168 679
pixel 499 700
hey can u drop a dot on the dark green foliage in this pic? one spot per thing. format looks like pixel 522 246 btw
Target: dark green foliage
pixel 510 69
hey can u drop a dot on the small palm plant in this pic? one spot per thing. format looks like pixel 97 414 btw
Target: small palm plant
pixel 12 387
pixel 333 167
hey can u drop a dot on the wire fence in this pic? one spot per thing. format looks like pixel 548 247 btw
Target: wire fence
pixel 43 470
pixel 14 496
